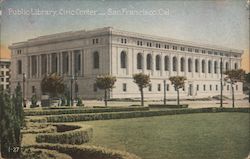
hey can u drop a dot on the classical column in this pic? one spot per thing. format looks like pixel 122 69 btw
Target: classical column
pixel 143 62
pixel 186 66
pixel 58 63
pixel 200 67
pixel 161 64
pixel 73 63
pixel 153 63
pixel 70 63
pixel 82 63
pixel 47 63
pixel 193 67
pixel 170 64
pixel 178 65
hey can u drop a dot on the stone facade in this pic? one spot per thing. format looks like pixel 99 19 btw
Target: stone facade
pixel 4 73
pixel 87 54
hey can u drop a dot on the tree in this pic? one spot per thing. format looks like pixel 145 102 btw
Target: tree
pixel 178 82
pixel 247 83
pixel 12 120
pixel 106 83
pixel 53 85
pixel 232 77
pixel 142 81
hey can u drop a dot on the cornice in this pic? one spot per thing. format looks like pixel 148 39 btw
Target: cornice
pixel 76 35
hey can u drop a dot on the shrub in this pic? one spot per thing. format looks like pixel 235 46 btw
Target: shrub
pixel 31 153
pixel 87 152
pixel 33 101
pixel 79 102
pixel 77 136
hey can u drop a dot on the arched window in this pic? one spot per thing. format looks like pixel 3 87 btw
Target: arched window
pixel 149 62
pixel 209 66
pixel 157 62
pixel 203 63
pixel 227 66
pixel 182 64
pixel 166 62
pixel 139 61
pixel 190 65
pixel 215 67
pixel 123 59
pixel 235 66
pixel 174 64
pixel 196 65
pixel 96 59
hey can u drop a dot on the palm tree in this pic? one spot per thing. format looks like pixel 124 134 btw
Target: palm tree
pixel 142 81
pixel 106 83
pixel 232 77
pixel 178 82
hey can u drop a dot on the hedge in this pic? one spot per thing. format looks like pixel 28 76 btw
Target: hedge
pixel 85 110
pixel 135 114
pixel 77 136
pixel 87 152
pixel 167 106
pixel 32 153
pixel 48 129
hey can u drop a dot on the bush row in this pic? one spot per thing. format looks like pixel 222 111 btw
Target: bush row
pixel 86 110
pixel 31 153
pixel 87 152
pixel 77 136
pixel 135 114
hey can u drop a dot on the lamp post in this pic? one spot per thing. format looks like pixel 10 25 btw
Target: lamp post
pixel 164 84
pixel 24 79
pixel 221 83
pixel 71 89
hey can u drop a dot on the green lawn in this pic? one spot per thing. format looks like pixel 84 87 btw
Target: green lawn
pixel 191 136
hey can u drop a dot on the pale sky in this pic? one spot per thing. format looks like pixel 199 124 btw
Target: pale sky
pixel 219 22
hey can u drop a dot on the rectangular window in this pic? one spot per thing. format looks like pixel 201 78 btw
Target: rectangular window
pixel 183 89
pixel 196 50
pixel 95 87
pixel 19 67
pixel 190 49
pixel 125 41
pixel 2 73
pixel 124 87
pixel 150 88
pixel 7 73
pixel 121 40
pixel 141 43
pixel 182 49
pixel 204 87
pixel 209 52
pixel 174 47
pixel 216 53
pixel 159 87
pixel 197 87
pixel 7 79
pixel 2 79
pixel 210 87
pixel 167 87
pixel 138 42
pixel 166 46
pixel 33 89
pixel 216 87
pixel 96 40
pixel 203 51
